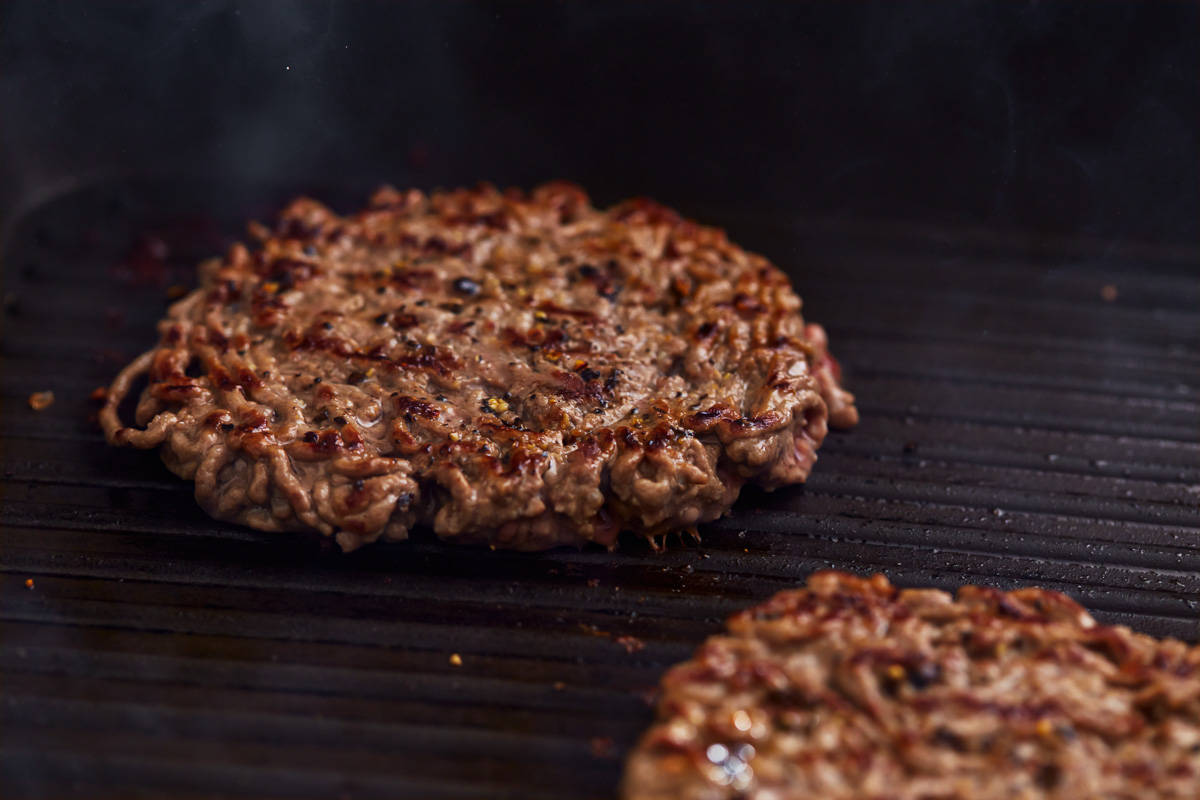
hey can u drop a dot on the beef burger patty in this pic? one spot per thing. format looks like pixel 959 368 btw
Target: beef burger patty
pixel 851 688
pixel 521 370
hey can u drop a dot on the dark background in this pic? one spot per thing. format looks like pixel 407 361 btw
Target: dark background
pixel 1071 118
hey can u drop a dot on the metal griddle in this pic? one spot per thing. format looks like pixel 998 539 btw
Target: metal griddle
pixel 1018 428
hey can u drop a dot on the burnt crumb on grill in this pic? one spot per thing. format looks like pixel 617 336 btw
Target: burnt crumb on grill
pixel 40 401
pixel 360 323
pixel 852 688
pixel 632 644
pixel 602 747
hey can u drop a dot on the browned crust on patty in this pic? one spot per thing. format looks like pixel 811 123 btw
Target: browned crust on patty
pixel 522 370
pixel 852 688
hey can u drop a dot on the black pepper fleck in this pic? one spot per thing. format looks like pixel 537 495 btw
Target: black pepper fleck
pixel 924 675
pixel 466 286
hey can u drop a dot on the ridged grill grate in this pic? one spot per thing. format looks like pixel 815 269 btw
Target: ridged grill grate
pixel 1018 428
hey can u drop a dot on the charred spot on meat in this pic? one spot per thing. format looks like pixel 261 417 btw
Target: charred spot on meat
pixel 522 370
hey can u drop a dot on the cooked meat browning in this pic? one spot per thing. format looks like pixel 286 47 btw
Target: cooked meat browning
pixel 854 689
pixel 525 371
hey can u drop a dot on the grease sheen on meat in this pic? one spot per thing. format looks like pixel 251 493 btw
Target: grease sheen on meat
pixel 854 690
pixel 521 370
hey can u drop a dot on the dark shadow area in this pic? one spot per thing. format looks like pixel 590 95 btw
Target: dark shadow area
pixel 1073 118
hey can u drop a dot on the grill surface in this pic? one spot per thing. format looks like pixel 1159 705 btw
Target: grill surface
pixel 1017 429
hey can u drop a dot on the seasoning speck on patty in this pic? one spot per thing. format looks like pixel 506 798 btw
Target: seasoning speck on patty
pixel 519 370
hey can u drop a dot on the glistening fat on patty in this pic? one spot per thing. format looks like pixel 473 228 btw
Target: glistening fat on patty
pixel 521 370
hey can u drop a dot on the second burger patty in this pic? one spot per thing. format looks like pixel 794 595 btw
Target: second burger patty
pixel 521 370
pixel 852 689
